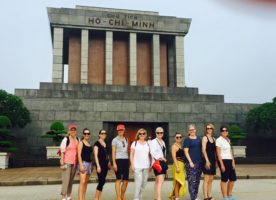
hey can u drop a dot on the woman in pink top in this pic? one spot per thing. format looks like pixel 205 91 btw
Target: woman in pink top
pixel 68 161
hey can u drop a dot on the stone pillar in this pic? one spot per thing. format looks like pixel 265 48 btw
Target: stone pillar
pixel 171 63
pixel 84 56
pixel 133 59
pixel 179 61
pixel 108 57
pixel 58 70
pixel 156 59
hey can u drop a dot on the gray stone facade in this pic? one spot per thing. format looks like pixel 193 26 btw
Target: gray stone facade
pixel 90 106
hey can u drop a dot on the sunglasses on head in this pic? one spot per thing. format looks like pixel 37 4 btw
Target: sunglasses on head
pixel 178 137
pixel 86 133
pixel 103 132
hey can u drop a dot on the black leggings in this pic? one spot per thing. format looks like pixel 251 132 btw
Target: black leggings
pixel 102 176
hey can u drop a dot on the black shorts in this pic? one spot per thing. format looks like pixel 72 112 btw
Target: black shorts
pixel 122 169
pixel 229 174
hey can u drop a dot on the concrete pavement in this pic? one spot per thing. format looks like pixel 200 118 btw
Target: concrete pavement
pixel 243 190
pixel 52 175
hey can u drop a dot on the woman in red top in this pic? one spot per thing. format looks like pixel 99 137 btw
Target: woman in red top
pixel 68 161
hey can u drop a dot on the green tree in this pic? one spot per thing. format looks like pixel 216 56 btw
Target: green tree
pixel 236 134
pixel 262 119
pixel 57 132
pixel 13 107
pixel 6 138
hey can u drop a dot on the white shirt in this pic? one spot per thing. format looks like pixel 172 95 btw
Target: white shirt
pixel 141 155
pixel 225 148
pixel 156 150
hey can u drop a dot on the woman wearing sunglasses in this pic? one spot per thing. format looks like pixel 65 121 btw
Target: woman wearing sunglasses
pixel 85 162
pixel 158 153
pixel 226 164
pixel 102 162
pixel 209 160
pixel 178 169
pixel 140 162
pixel 120 162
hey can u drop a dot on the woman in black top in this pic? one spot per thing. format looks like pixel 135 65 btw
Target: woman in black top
pixel 209 160
pixel 178 169
pixel 85 162
pixel 102 162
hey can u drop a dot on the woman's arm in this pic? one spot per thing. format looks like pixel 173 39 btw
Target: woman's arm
pixel 114 158
pixel 220 159
pixel 80 146
pixel 204 142
pixel 174 149
pixel 154 150
pixel 96 153
pixel 132 151
pixel 186 151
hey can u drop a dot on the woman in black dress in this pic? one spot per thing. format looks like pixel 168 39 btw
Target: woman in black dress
pixel 102 162
pixel 209 160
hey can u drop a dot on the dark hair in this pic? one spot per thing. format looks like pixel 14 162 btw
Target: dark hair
pixel 100 132
pixel 85 129
pixel 222 127
pixel 177 133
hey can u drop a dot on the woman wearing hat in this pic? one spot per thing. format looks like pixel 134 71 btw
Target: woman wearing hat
pixel 68 161
pixel 102 162
pixel 120 162
pixel 158 153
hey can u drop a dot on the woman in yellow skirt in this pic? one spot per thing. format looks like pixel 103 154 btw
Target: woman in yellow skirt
pixel 178 169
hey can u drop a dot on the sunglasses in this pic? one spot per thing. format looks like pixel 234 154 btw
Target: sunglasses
pixel 142 133
pixel 224 130
pixel 159 133
pixel 208 128
pixel 124 145
pixel 85 133
pixel 178 137
pixel 103 132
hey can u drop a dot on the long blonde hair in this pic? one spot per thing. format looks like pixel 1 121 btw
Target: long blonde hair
pixel 213 128
pixel 137 134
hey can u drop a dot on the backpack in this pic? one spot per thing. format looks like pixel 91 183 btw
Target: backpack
pixel 67 143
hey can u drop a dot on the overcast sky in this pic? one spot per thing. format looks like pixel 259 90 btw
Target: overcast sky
pixel 230 49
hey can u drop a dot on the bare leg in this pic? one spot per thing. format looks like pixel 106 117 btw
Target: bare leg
pixel 176 189
pixel 97 195
pixel 205 186
pixel 82 186
pixel 223 186
pixel 123 189
pixel 210 182
pixel 117 188
pixel 230 188
pixel 159 186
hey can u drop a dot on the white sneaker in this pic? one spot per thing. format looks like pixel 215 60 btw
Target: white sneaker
pixel 197 199
pixel 68 198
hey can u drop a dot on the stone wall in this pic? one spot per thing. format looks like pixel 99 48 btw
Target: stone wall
pixel 90 106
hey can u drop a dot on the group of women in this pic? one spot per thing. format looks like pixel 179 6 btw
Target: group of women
pixel 190 157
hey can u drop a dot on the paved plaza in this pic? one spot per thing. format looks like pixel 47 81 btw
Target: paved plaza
pixel 244 190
